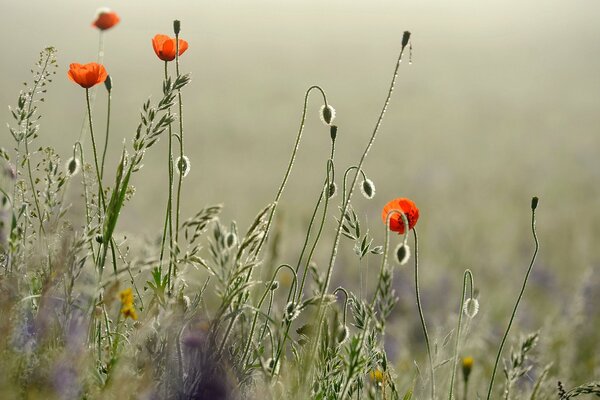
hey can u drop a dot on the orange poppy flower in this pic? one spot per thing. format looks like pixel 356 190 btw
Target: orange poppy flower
pixel 87 75
pixel 409 209
pixel 165 47
pixel 106 19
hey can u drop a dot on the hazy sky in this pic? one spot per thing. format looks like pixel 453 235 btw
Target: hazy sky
pixel 516 77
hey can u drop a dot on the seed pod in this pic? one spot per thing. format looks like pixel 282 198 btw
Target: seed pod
pixel 333 132
pixel 108 83
pixel 332 190
pixel 177 26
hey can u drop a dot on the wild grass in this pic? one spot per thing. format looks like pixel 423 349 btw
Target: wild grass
pixel 207 312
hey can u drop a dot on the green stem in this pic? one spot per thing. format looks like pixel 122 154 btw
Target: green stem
pixel 514 312
pixel 98 177
pixel 417 292
pixel 168 213
pixel 181 153
pixel 467 275
pixel 107 133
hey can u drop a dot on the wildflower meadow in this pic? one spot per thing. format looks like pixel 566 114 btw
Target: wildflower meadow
pixel 335 288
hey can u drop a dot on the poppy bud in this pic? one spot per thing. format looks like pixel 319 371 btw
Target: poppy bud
pixel 333 131
pixel 405 38
pixel 342 334
pixel 271 367
pixel 73 165
pixel 332 190
pixel 230 240
pixel 367 187
pixel 402 253
pixel 108 83
pixel 177 26
pixel 534 203
pixel 327 114
pixel 183 166
pixel 291 311
pixel 471 307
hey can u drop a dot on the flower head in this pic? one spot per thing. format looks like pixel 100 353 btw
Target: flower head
pixel 165 47
pixel 407 207
pixel 87 75
pixel 377 376
pixel 127 308
pixel 105 19
pixel 467 366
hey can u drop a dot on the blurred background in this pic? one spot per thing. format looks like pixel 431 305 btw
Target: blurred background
pixel 501 103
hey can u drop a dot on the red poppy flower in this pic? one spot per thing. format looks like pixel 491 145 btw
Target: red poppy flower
pixel 165 47
pixel 106 19
pixel 87 75
pixel 407 207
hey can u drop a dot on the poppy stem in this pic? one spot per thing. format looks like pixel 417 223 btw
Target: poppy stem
pixel 181 153
pixel 168 214
pixel 468 275
pixel 420 308
pixel 514 312
pixel 100 188
pixel 107 133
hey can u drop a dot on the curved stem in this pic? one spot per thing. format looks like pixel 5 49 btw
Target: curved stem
pixel 346 178
pixel 467 275
pixel 341 289
pixel 514 312
pixel 262 299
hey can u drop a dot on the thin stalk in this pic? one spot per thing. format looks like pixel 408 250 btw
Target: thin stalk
pixel 181 153
pixel 431 369
pixel 514 312
pixel 168 214
pixel 106 136
pixel 100 188
pixel 467 275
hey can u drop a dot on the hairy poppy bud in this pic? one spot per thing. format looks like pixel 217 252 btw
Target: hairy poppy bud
pixel 73 165
pixel 177 26
pixel 230 240
pixel 405 38
pixel 534 203
pixel 291 311
pixel 402 253
pixel 327 114
pixel 183 166
pixel 108 83
pixel 367 187
pixel 272 367
pixel 342 334
pixel 471 307
pixel 332 190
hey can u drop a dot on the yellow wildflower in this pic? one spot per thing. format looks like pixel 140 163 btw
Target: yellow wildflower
pixel 127 309
pixel 377 376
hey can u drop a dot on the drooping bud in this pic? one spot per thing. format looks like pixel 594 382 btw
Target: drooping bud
pixel 332 190
pixel 274 285
pixel 367 187
pixel 183 165
pixel 471 307
pixel 108 83
pixel 342 334
pixel 73 166
pixel 327 114
pixel 291 311
pixel 402 253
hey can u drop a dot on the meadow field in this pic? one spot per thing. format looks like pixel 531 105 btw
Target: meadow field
pixel 112 290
